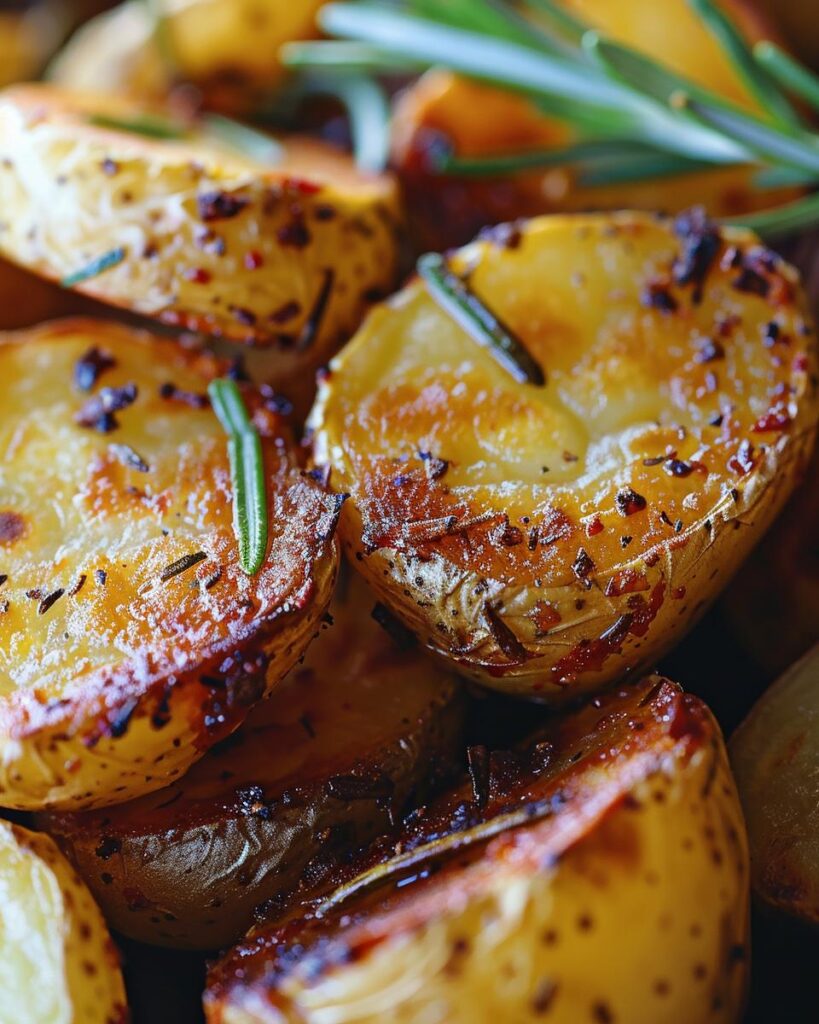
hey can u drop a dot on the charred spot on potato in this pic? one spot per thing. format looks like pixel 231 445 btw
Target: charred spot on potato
pixel 98 412
pixel 12 527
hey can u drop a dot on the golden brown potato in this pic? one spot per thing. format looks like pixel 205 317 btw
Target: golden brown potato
pixel 476 120
pixel 227 48
pixel 600 875
pixel 28 35
pixel 775 755
pixel 316 771
pixel 130 638
pixel 27 300
pixel 548 539
pixel 58 964
pixel 192 232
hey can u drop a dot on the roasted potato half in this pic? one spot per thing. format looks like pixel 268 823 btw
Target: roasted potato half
pixel 601 875
pixel 317 771
pixel 443 112
pixel 192 231
pixel 775 755
pixel 58 964
pixel 29 32
pixel 227 48
pixel 130 638
pixel 548 539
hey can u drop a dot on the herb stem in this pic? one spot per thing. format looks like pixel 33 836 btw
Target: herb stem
pixel 250 517
pixel 94 268
pixel 790 73
pixel 452 294
pixel 782 220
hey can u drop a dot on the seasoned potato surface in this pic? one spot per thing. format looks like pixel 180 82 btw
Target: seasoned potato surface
pixel 130 639
pixel 600 875
pixel 547 539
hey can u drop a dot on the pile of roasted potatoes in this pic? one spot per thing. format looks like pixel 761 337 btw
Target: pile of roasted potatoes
pixel 424 762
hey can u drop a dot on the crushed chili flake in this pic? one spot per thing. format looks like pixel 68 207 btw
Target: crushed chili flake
pixel 594 527
pixel 98 412
pixel 181 565
pixel 583 566
pixel 49 600
pixel 629 502
pixel 90 366
pixel 219 205
pixel 197 275
pixel 701 243
pixel 656 295
pixel 742 462
pixel 709 351
pixel 171 392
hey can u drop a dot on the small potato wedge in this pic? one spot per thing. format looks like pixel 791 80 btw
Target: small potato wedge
pixel 29 33
pixel 775 755
pixel 227 48
pixel 446 113
pixel 548 539
pixel 58 964
pixel 317 771
pixel 192 231
pixel 130 638
pixel 601 875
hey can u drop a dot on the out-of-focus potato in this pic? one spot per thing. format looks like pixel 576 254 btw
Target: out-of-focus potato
pixel 28 35
pixel 775 755
pixel 130 638
pixel 317 771
pixel 227 48
pixel 470 119
pixel 549 539
pixel 601 875
pixel 191 231
pixel 27 300
pixel 58 964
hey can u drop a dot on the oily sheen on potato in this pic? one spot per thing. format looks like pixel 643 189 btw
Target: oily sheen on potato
pixel 599 875
pixel 286 249
pixel 548 539
pixel 130 638
pixel 775 756
pixel 58 964
pixel 317 771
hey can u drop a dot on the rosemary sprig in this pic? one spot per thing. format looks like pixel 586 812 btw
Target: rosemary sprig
pixel 255 145
pixel 606 90
pixel 94 268
pixel 250 522
pixel 453 295
pixel 150 125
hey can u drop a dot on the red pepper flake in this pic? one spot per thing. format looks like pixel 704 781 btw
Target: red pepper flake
pixel 701 243
pixel 243 316
pixel 198 275
pixel 90 366
pixel 503 636
pixel 219 205
pixel 776 419
pixel 172 393
pixel 656 295
pixel 628 502
pixel 628 581
pixel 801 363
pixel 49 600
pixel 708 351
pixel 295 234
pixel 594 527
pixel 742 462
pixel 544 615
pixel 678 468
pixel 582 567
pixel 253 260
pixel 98 412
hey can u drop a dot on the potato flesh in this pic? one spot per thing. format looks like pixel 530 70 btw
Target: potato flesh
pixel 57 962
pixel 634 403
pixel 357 706
pixel 775 755
pixel 89 628
pixel 645 827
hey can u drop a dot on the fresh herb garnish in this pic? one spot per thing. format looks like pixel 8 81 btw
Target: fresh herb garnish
pixel 150 125
pixel 94 268
pixel 247 141
pixel 453 295
pixel 250 522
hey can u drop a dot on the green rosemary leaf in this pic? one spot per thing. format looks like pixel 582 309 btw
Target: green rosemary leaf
pixel 535 159
pixel 150 125
pixel 250 519
pixel 494 18
pixel 790 73
pixel 800 151
pixel 369 112
pixel 94 268
pixel 755 77
pixel 255 145
pixel 568 25
pixel 639 167
pixel 784 177
pixel 783 220
pixel 453 295
pixel 345 55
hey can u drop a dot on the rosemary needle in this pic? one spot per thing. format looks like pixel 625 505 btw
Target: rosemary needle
pixel 453 295
pixel 250 521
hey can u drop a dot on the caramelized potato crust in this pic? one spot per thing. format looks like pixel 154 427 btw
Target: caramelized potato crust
pixel 601 874
pixel 58 964
pixel 130 638
pixel 547 540
pixel 316 771
pixel 203 237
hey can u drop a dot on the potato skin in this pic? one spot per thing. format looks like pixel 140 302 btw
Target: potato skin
pixel 445 111
pixel 287 255
pixel 58 964
pixel 257 817
pixel 227 48
pixel 548 540
pixel 775 757
pixel 118 667
pixel 634 817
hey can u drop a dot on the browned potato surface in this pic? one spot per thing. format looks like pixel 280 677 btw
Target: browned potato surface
pixel 130 638
pixel 548 539
pixel 600 875
pixel 319 769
